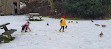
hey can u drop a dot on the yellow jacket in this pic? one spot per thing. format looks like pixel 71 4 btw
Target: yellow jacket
pixel 62 22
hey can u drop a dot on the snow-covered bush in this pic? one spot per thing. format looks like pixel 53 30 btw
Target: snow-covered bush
pixel 5 39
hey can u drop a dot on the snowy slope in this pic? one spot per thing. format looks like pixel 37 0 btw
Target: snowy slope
pixel 84 35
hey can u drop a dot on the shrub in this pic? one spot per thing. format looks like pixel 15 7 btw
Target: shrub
pixel 4 39
pixel 35 20
pixel 87 8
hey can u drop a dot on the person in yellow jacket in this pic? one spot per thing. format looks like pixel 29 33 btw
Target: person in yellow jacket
pixel 62 23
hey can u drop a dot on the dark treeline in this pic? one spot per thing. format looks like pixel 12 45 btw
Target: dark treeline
pixel 87 9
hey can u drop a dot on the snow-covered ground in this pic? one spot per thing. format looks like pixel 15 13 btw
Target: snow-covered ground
pixel 84 35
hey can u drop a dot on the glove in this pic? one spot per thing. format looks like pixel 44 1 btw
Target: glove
pixel 66 27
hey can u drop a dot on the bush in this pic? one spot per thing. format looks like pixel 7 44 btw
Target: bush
pixel 35 20
pixel 87 8
pixel 4 39
pixel 31 7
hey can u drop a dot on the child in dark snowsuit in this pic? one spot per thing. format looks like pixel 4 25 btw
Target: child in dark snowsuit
pixel 25 27
pixel 62 23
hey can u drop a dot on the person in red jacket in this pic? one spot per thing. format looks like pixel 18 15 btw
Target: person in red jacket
pixel 25 27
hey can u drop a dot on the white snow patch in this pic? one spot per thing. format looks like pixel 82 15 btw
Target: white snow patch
pixel 84 35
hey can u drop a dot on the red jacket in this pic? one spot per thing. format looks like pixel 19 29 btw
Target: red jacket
pixel 27 26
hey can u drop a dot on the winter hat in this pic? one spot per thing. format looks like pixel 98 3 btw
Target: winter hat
pixel 63 16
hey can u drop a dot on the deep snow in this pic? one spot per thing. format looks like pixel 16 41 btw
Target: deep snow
pixel 84 35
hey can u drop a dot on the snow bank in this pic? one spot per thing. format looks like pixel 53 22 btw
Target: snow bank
pixel 84 35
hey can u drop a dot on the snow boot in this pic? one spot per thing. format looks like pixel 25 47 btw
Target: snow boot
pixel 60 30
pixel 63 31
pixel 25 31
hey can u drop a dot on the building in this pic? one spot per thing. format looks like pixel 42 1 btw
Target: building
pixel 8 7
